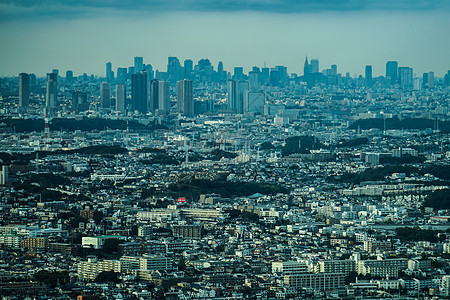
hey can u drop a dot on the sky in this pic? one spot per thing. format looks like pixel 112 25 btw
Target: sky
pixel 83 35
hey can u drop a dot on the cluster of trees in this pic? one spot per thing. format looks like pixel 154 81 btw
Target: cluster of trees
pixel 396 123
pixel 301 144
pixel 352 142
pixel 86 124
pixel 376 174
pixel 196 187
pixel 416 234
pixel 218 154
pixel 439 199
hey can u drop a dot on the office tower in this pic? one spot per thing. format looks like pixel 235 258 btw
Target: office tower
pixel 139 92
pixel 69 76
pixel 254 102
pixel 236 92
pixel 174 69
pixel 185 97
pixel 265 75
pixel 130 72
pixel 405 77
pixel 122 75
pixel 431 80
pixel 52 90
pixel 164 97
pixel 121 95
pixel 24 89
pixel 4 175
pixel 105 95
pixel 154 95
pixel 138 64
pixel 109 73
pixel 238 73
pixel 253 79
pixel 220 71
pixel 275 76
pixel 306 67
pixel 333 70
pixel 425 81
pixel 314 65
pixel 149 69
pixel 55 71
pixel 447 78
pixel 79 101
pixel 32 82
pixel 368 75
pixel 282 73
pixel 392 72
pixel 188 68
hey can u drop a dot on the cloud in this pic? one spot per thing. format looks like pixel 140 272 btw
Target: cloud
pixel 13 9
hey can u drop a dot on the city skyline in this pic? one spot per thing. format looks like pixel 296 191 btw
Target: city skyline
pixel 85 36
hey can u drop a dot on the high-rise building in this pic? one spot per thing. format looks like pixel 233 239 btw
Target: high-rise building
pixel 149 69
pixel 121 95
pixel 52 90
pixel 236 92
pixel 4 175
pixel 220 71
pixel 69 76
pixel 368 75
pixel 306 67
pixel 79 101
pixel 392 72
pixel 185 97
pixel 431 80
pixel 238 73
pixel 315 65
pixel 174 69
pixel 164 97
pixel 154 95
pixel 122 75
pixel 333 70
pixel 109 72
pixel 24 89
pixel 105 95
pixel 138 64
pixel 405 77
pixel 139 92
pixel 188 68
pixel 425 81
pixel 254 102
pixel 253 79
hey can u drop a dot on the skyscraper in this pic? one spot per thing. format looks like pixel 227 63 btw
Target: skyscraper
pixel 139 92
pixel 69 76
pixel 333 70
pixel 24 89
pixel 51 94
pixel 79 101
pixel 164 97
pixel 154 95
pixel 105 95
pixel 392 71
pixel 236 92
pixel 138 64
pixel 174 69
pixel 109 72
pixel 121 95
pixel 185 97
pixel 405 77
pixel 122 75
pixel 315 65
pixel 368 75
pixel 188 68
pixel 254 102
pixel 306 67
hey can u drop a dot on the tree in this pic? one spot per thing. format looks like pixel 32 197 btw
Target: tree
pixel 107 276
pixel 181 264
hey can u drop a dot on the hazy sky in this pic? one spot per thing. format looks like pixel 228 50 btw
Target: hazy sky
pixel 81 35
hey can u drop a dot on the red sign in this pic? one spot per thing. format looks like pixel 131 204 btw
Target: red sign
pixel 181 200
